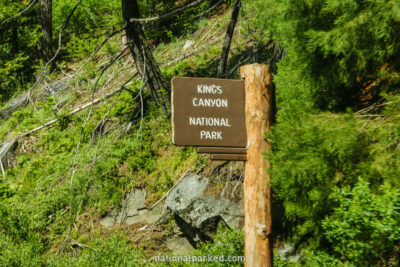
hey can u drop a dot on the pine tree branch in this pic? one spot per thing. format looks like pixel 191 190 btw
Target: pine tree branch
pixel 20 13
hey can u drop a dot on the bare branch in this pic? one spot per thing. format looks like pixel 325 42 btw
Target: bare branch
pixel 97 100
pixel 170 14
pixel 20 13
pixel 90 114
pixel 93 54
pixel 44 70
pixel 208 10
pixel 140 94
pixel 2 169
pixel 108 111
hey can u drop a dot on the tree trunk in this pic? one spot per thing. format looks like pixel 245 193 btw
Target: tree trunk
pixel 44 16
pixel 144 60
pixel 228 39
pixel 256 187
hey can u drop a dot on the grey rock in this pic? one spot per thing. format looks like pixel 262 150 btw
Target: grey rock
pixel 108 222
pixel 136 218
pixel 288 253
pixel 134 202
pixel 199 214
pixel 179 245
pixel 153 215
pixel 132 211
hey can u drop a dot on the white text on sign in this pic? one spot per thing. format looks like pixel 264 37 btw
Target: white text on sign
pixel 211 135
pixel 203 121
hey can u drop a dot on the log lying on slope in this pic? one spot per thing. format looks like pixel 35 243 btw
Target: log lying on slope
pixel 5 151
pixel 97 100
pixel 7 148
pixel 18 103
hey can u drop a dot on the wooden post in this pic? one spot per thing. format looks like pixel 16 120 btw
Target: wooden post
pixel 257 193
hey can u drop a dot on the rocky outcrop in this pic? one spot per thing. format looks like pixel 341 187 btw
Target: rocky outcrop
pixel 199 203
pixel 198 213
pixel 132 211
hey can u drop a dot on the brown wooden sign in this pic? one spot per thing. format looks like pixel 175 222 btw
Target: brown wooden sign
pixel 208 112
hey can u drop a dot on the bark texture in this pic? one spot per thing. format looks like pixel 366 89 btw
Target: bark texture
pixel 228 40
pixel 44 17
pixel 257 191
pixel 143 56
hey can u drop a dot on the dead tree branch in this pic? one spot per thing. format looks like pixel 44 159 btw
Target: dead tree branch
pixel 44 69
pixel 172 188
pixel 92 55
pixel 90 114
pixel 228 39
pixel 105 116
pixel 208 10
pixel 168 15
pixel 21 12
pixel 97 100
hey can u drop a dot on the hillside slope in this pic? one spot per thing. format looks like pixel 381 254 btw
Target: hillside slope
pixel 63 181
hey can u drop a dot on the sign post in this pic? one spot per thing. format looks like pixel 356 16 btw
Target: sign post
pixel 257 192
pixel 228 119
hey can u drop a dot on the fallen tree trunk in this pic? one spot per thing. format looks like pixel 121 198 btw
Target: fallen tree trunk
pixel 97 100
pixel 5 150
pixel 10 145
pixel 18 103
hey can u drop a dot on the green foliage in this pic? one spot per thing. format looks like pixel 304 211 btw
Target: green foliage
pixel 21 244
pixel 227 243
pixel 90 16
pixel 23 254
pixel 91 21
pixel 365 227
pixel 314 154
pixel 341 57
pixel 343 52
pixel 323 259
pixel 19 37
pixel 43 198
pixel 114 251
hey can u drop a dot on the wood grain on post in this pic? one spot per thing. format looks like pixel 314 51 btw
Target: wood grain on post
pixel 257 192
